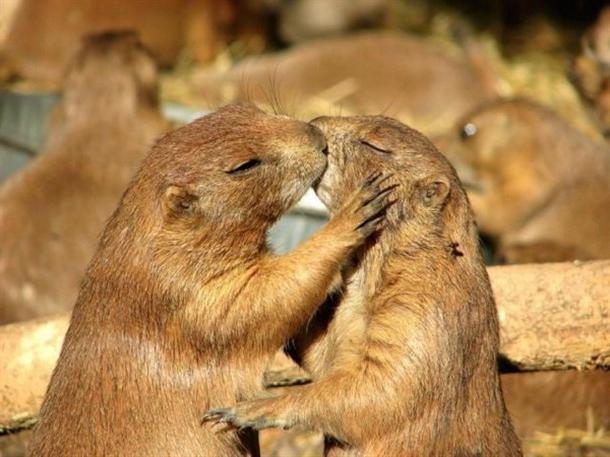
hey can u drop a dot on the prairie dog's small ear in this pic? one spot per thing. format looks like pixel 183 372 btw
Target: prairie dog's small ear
pixel 179 200
pixel 434 191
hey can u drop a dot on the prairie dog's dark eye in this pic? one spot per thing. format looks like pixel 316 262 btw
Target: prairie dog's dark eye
pixel 375 147
pixel 244 166
pixel 469 130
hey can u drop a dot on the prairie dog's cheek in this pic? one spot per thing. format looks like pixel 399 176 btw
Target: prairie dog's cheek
pixel 326 186
pixel 324 192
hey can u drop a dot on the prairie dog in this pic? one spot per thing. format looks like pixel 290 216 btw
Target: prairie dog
pixel 182 306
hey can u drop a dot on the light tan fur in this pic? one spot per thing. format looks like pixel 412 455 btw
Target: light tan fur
pixel 533 180
pixel 367 73
pixel 42 37
pixel 590 70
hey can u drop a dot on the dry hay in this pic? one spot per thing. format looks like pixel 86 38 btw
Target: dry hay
pixel 569 443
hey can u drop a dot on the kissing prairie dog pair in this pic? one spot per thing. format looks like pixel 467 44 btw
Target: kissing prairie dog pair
pixel 405 363
pixel 53 211
pixel 182 306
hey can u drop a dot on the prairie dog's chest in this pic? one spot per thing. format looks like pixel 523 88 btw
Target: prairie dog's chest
pixel 349 325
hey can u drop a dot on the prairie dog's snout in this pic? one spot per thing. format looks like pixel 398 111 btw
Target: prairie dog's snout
pixel 331 177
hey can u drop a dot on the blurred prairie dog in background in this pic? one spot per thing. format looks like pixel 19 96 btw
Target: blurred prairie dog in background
pixel 52 212
pixel 538 186
pixel 366 73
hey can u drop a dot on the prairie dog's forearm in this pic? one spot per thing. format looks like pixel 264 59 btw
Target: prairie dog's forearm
pixel 293 286
pixel 336 405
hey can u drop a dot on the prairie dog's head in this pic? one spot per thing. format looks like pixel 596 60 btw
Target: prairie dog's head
pixel 235 169
pixel 509 157
pixel 111 73
pixel 429 197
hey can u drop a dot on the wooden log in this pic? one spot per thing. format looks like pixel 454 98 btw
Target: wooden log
pixel 28 352
pixel 552 317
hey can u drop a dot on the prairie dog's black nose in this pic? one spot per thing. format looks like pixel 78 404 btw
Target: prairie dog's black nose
pixel 317 138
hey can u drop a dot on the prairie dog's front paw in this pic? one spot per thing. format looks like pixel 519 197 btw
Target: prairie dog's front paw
pixel 255 414
pixel 364 212
pixel 292 376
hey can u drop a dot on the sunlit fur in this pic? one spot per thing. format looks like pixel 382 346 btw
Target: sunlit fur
pixel 405 365
pixel 53 211
pixel 41 37
pixel 182 305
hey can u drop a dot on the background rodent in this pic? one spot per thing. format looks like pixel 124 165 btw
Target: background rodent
pixel 180 307
pixel 52 212
pixel 405 363
pixel 533 180
pixel 540 189
pixel 354 75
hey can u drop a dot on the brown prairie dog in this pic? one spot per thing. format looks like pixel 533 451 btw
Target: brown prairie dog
pixel 405 364
pixel 541 190
pixel 182 306
pixel 41 37
pixel 52 212
pixel 369 73
pixel 537 185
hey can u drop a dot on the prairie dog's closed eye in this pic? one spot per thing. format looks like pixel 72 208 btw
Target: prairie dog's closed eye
pixel 244 166
pixel 375 146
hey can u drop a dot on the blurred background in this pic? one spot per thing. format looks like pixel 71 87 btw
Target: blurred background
pixel 515 93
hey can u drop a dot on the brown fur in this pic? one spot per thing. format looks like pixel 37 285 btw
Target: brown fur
pixel 542 189
pixel 534 180
pixel 175 310
pixel 380 72
pixel 407 364
pixel 52 212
